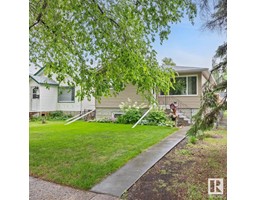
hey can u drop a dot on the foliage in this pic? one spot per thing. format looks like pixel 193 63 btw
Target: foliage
pixel 35 118
pixel 214 13
pixel 103 120
pixel 81 154
pixel 168 62
pixel 192 139
pixel 129 104
pixel 96 42
pixel 131 116
pixel 58 115
pixel 212 105
pixel 55 115
pixel 132 112
pixel 156 116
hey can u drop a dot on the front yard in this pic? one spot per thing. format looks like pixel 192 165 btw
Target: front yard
pixel 81 154
pixel 183 173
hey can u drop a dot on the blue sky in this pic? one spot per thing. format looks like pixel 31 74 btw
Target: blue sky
pixel 188 45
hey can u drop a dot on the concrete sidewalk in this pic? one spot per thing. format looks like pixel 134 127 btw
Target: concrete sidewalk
pixel 44 190
pixel 120 181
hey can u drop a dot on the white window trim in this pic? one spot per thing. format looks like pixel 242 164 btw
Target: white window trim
pixel 187 95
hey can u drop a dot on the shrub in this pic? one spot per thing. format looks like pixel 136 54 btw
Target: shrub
pixel 167 123
pixel 55 115
pixel 131 116
pixel 156 116
pixel 58 115
pixel 192 139
pixel 104 120
pixel 132 112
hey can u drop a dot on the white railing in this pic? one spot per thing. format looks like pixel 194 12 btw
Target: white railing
pixel 142 117
pixel 79 117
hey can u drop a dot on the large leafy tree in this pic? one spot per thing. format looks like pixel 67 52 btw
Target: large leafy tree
pixel 103 44
pixel 212 104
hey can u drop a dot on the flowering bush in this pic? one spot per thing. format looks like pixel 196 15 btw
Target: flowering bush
pixel 132 112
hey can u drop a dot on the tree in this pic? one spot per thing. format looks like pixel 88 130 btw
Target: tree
pixel 168 62
pixel 212 105
pixel 103 44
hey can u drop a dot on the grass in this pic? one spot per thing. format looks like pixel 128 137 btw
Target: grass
pixel 81 154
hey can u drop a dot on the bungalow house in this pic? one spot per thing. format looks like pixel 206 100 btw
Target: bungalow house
pixel 54 97
pixel 187 94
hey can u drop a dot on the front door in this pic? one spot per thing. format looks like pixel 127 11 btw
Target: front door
pixel 35 98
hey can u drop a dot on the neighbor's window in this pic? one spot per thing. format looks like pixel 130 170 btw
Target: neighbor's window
pixel 66 94
pixel 35 93
pixel 185 85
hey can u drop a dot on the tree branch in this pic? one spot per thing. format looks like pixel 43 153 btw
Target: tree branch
pixel 39 17
pixel 102 12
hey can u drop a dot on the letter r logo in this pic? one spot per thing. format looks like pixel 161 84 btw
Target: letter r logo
pixel 215 185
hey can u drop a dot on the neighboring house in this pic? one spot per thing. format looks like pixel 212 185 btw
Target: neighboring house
pixel 187 94
pixel 54 97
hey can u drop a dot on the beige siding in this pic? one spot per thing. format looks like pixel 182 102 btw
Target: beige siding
pixel 114 102
pixel 192 101
pixel 183 101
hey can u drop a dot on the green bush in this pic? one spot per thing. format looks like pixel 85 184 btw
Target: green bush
pixel 58 115
pixel 55 115
pixel 192 139
pixel 131 116
pixel 167 123
pixel 104 120
pixel 156 116
pixel 132 112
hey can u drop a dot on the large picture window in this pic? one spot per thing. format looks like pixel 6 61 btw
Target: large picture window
pixel 185 85
pixel 66 94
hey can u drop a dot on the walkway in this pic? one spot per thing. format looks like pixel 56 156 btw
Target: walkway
pixel 120 181
pixel 44 190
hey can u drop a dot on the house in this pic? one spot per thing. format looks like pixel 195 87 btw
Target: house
pixel 188 90
pixel 187 94
pixel 48 95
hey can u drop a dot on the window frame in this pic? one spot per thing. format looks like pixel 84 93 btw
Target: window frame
pixel 67 87
pixel 185 95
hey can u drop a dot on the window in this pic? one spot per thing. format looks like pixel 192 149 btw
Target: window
pixel 185 85
pixel 66 94
pixel 35 93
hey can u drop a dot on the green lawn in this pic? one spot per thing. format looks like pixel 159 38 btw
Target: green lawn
pixel 81 154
